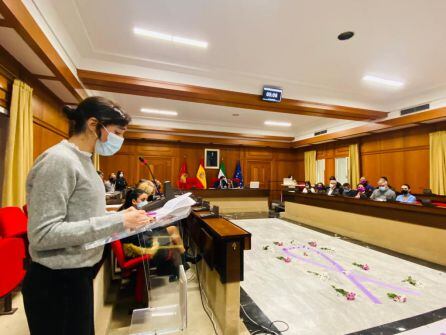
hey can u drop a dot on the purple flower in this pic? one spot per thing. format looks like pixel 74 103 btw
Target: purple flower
pixel 365 267
pixel 287 259
pixel 351 296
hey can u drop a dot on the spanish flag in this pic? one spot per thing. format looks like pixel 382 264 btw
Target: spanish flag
pixel 201 175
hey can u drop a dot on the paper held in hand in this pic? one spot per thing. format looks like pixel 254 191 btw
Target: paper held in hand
pixel 174 210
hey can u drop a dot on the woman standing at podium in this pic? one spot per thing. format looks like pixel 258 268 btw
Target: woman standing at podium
pixel 66 206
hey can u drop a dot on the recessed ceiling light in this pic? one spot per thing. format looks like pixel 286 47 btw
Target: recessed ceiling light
pixel 171 38
pixel 278 124
pixel 382 81
pixel 158 112
pixel 346 35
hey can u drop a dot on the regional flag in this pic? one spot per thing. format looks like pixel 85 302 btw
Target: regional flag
pixel 182 179
pixel 222 171
pixel 238 174
pixel 201 175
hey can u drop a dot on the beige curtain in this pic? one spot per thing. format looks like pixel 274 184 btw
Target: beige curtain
pixel 437 162
pixel 353 171
pixel 96 161
pixel 310 166
pixel 19 146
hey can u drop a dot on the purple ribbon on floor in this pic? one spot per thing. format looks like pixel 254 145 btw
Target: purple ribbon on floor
pixel 355 278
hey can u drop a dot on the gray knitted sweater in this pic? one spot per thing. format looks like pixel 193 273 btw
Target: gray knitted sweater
pixel 66 208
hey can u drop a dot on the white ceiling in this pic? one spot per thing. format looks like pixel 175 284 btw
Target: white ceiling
pixel 18 48
pixel 202 116
pixel 289 43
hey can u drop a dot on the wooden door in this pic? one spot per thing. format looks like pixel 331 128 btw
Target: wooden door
pixel 259 171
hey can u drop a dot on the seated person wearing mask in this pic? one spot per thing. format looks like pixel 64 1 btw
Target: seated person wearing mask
pixel 163 244
pixel 320 188
pixel 405 195
pixel 383 192
pixel 308 188
pixel 333 189
pixel 360 192
pixel 110 183
pixel 347 190
pixel 368 188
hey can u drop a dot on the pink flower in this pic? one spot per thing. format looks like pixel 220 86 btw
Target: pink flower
pixel 365 267
pixel 313 244
pixel 402 298
pixel 351 296
pixel 396 298
pixel 287 259
pixel 305 254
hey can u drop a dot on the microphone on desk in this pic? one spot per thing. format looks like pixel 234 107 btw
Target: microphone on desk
pixel 144 162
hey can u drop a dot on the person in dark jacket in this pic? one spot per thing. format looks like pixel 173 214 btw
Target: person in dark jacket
pixel 121 183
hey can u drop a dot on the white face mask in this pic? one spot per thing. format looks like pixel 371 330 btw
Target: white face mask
pixel 141 204
pixel 109 147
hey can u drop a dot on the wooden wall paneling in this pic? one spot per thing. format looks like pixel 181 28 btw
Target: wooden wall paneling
pixel 392 166
pixel 161 167
pixel 258 171
pixel 416 169
pixel 44 138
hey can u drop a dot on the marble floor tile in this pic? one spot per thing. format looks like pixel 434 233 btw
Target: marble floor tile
pixel 301 294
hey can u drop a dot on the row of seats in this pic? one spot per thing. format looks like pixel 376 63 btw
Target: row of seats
pixel 13 253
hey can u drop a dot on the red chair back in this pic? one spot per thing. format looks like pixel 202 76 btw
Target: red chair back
pixel 119 253
pixel 13 222
pixel 12 256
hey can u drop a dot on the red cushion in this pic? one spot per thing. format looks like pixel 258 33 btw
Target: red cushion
pixel 12 255
pixel 13 222
pixel 439 204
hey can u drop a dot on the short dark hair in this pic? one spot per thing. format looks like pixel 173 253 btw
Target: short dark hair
pixel 332 178
pixel 408 186
pixel 105 110
pixel 383 177
pixel 345 184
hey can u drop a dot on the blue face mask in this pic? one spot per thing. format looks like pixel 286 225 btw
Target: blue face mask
pixel 141 204
pixel 109 147
pixel 382 188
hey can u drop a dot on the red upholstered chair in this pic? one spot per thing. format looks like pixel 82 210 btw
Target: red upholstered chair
pixel 13 253
pixel 13 222
pixel 129 265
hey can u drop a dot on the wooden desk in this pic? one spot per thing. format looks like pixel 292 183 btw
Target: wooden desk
pixel 413 230
pixel 236 200
pixel 232 193
pixel 417 214
pixel 222 243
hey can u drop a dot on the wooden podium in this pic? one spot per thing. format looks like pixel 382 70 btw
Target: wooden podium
pixel 222 245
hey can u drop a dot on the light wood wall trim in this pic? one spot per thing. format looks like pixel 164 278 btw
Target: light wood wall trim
pixel 337 135
pixel 433 115
pixel 175 91
pixel 387 151
pixel 417 118
pixel 140 128
pixel 204 140
pixel 22 21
